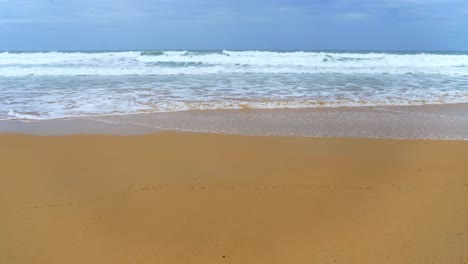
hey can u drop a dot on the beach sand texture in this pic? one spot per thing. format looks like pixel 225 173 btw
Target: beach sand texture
pixel 201 198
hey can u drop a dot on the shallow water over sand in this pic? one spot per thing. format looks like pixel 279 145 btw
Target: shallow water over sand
pixel 405 122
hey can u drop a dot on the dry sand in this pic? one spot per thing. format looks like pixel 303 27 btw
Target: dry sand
pixel 187 198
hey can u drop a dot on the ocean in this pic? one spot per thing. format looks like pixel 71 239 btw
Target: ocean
pixel 54 85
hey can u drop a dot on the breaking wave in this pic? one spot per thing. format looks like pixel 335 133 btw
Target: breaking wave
pixel 227 62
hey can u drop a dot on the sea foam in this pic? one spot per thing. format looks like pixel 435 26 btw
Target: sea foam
pixel 191 62
pixel 47 85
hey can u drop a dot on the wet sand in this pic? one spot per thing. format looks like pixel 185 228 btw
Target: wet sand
pixel 201 198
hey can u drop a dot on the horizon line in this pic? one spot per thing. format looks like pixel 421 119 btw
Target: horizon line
pixel 221 49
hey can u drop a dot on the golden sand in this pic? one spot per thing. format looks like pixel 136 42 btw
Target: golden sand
pixel 186 198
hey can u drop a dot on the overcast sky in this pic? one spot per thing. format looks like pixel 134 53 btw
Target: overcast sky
pixel 233 24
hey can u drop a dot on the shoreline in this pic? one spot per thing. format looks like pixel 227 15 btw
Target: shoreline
pixel 437 122
pixel 205 198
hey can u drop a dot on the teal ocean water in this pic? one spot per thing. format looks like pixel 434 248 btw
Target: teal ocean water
pixel 50 85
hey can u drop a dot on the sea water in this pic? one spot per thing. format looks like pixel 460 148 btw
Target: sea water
pixel 51 85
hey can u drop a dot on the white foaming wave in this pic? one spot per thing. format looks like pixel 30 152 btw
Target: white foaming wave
pixel 316 59
pixel 114 106
pixel 50 58
pixel 141 63
pixel 220 69
pixel 15 115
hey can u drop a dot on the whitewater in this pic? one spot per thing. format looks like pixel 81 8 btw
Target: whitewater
pixel 49 85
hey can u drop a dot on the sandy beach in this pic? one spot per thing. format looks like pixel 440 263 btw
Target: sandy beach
pixel 234 132
pixel 204 198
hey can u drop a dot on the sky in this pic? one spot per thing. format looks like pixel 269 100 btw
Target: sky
pixel 234 24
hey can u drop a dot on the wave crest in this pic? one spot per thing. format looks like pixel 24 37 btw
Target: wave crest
pixel 227 62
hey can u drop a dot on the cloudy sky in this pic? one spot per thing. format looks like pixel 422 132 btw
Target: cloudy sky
pixel 233 24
